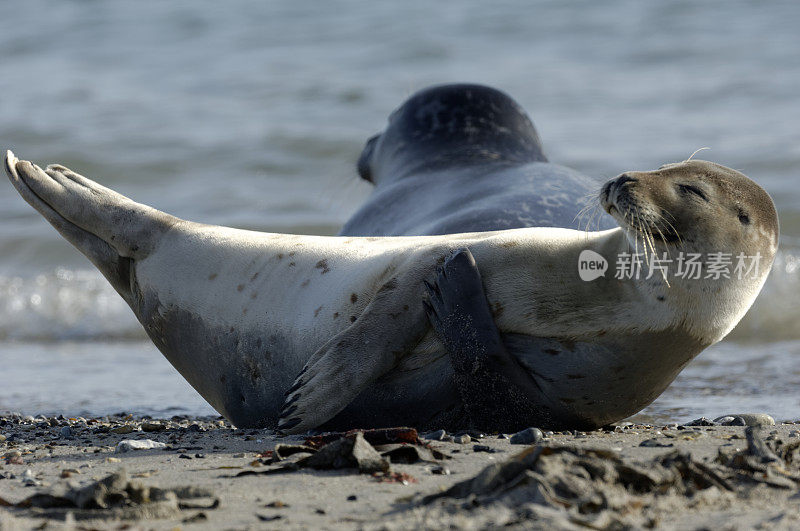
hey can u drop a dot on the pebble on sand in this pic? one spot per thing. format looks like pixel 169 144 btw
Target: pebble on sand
pixel 131 444
pixel 527 436
pixel 438 435
pixel 746 419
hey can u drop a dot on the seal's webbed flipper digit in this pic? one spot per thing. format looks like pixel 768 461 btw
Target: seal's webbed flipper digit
pixel 460 314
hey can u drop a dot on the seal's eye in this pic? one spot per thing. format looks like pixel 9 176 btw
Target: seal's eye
pixel 744 218
pixel 689 189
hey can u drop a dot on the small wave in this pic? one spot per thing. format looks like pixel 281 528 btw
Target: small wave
pixel 64 304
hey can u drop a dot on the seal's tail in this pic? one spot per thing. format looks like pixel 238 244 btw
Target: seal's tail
pixel 110 229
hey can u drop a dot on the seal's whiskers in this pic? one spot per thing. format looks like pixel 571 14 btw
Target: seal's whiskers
pixel 590 212
pixel 695 153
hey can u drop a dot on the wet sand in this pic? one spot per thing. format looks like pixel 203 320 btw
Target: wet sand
pixel 630 475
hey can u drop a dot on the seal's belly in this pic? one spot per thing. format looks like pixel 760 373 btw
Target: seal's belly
pixel 583 383
pixel 603 380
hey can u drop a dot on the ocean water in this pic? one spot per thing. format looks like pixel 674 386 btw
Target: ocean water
pixel 253 115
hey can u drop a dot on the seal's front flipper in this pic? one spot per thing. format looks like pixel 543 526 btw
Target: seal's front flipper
pixel 460 314
pixel 389 327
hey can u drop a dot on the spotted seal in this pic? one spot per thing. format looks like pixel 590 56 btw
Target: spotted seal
pixel 333 332
pixel 464 158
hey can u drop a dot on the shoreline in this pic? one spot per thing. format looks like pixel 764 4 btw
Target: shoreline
pixel 242 479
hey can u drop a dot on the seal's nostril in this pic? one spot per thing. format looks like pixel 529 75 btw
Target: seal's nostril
pixel 625 178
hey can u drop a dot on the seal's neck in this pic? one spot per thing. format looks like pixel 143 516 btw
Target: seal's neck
pixel 581 285
pixel 708 292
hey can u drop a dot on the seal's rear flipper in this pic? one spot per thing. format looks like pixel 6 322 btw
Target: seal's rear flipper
pixel 110 229
pixel 489 378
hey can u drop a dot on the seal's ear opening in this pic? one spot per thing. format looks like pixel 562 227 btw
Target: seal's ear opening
pixel 365 159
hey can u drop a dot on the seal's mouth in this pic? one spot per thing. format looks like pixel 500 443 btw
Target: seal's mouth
pixel 618 198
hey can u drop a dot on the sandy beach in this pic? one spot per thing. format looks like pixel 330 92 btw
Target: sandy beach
pixel 59 473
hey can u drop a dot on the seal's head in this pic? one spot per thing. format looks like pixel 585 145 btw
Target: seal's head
pixel 450 125
pixel 702 208
pixel 695 206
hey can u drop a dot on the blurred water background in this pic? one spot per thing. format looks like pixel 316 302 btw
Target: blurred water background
pixel 253 115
